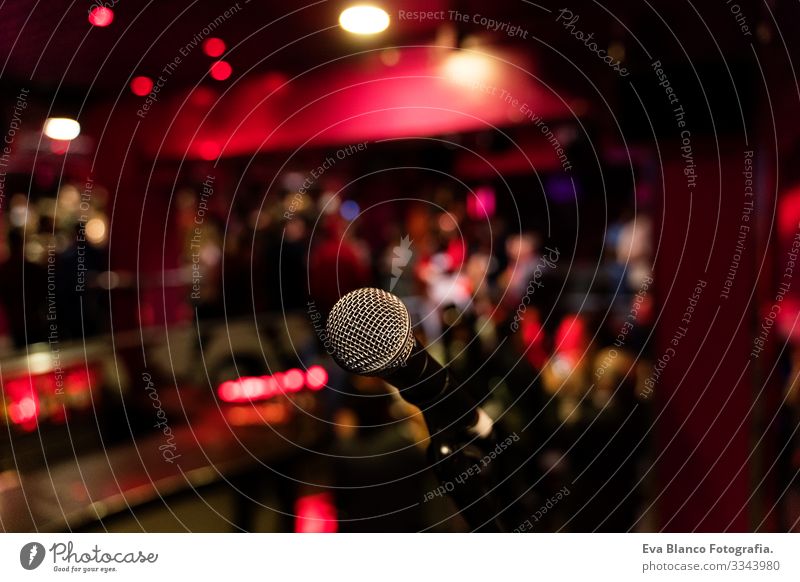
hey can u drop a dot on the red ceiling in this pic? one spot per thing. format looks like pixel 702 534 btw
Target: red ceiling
pixel 356 100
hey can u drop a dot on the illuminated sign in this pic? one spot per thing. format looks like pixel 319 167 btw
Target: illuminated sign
pixel 255 388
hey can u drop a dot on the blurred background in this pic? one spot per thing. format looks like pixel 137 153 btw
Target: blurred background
pixel 591 213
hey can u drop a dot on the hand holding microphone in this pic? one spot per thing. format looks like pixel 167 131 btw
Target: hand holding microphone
pixel 370 333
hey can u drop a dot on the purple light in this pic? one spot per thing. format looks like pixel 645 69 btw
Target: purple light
pixel 349 210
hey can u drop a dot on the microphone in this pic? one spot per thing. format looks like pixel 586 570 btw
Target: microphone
pixel 370 334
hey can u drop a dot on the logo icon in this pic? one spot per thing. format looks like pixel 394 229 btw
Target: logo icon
pixel 31 555
pixel 400 260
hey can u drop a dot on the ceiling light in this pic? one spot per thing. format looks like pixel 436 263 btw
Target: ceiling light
pixel 364 19
pixel 141 86
pixel 220 70
pixel 61 128
pixel 214 47
pixel 101 16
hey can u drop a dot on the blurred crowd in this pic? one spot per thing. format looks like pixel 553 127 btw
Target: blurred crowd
pixel 53 266
pixel 550 342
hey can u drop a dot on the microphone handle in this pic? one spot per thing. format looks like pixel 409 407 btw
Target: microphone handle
pixel 462 437
pixel 457 461
pixel 423 382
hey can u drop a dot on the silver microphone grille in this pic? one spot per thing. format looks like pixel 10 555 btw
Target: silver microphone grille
pixel 370 332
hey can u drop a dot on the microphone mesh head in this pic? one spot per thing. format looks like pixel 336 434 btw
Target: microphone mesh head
pixel 370 332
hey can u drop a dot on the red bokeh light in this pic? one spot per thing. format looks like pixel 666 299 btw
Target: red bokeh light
pixel 481 205
pixel 293 380
pixel 315 514
pixel 101 16
pixel 48 396
pixel 255 388
pixel 23 410
pixel 316 377
pixel 228 391
pixel 220 70
pixel 214 47
pixel 271 386
pixel 571 339
pixel 141 86
pixel 209 150
pixel 252 387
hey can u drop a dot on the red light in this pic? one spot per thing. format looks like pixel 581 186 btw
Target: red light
pixel 19 388
pixel 315 514
pixel 248 389
pixel 141 86
pixel 293 380
pixel 271 387
pixel 220 70
pixel 209 150
pixel 214 47
pixel 316 377
pixel 101 16
pixel 228 391
pixel 571 339
pixel 254 388
pixel 481 205
pixel 24 407
pixel 23 411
